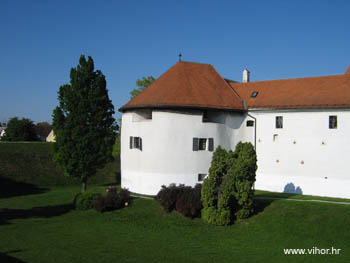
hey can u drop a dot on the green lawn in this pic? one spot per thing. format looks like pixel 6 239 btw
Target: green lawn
pixel 43 228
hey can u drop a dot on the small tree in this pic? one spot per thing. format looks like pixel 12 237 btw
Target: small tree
pixel 20 130
pixel 83 123
pixel 141 85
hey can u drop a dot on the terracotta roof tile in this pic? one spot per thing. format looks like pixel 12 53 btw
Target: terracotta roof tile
pixel 188 85
pixel 195 85
pixel 314 92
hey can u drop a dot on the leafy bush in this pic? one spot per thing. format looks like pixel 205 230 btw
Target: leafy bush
pixel 168 196
pixel 86 200
pixel 185 199
pixel 113 200
pixel 189 201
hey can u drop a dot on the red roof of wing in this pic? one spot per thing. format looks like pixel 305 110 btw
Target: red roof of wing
pixel 314 92
pixel 188 85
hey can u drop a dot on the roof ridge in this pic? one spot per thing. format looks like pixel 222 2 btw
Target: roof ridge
pixel 231 88
pixel 300 78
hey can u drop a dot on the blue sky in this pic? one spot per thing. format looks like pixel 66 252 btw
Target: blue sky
pixel 41 40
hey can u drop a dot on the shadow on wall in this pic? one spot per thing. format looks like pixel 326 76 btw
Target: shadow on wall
pixel 291 189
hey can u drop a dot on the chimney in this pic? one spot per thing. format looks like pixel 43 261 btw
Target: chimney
pixel 246 74
pixel 347 71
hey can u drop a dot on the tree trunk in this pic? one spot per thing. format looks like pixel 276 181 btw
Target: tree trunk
pixel 84 185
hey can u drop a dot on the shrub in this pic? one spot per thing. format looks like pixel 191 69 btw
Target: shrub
pixel 86 200
pixel 113 200
pixel 168 196
pixel 227 192
pixel 189 201
pixel 244 171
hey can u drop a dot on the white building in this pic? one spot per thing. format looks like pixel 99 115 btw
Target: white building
pixel 299 127
pixel 2 131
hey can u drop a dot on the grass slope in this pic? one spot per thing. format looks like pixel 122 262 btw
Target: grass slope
pixel 31 163
pixel 44 228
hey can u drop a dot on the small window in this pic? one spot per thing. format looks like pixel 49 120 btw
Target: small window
pixel 333 123
pixel 279 122
pixel 201 177
pixel 254 94
pixel 135 143
pixel 250 123
pixel 202 144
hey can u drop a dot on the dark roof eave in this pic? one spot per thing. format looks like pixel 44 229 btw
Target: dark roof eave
pixel 173 107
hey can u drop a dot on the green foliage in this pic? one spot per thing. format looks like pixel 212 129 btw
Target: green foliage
pixel 244 171
pixel 86 200
pixel 141 85
pixel 20 130
pixel 83 123
pixel 227 192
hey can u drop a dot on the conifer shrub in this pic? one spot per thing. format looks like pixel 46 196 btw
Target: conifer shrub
pixel 244 173
pixel 228 192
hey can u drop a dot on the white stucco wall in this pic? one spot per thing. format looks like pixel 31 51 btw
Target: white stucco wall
pixel 307 156
pixel 167 155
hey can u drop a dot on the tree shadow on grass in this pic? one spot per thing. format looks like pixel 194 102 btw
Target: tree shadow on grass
pixel 43 212
pixel 4 258
pixel 11 188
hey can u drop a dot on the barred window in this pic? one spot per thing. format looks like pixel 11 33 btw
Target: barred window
pixel 333 122
pixel 279 122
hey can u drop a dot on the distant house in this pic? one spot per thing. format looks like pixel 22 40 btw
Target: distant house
pixel 2 131
pixel 300 128
pixel 51 137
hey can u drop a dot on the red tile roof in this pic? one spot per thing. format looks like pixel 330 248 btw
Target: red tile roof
pixel 188 85
pixel 314 92
pixel 195 85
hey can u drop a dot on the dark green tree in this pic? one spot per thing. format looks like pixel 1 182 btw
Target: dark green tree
pixel 20 130
pixel 141 85
pixel 83 123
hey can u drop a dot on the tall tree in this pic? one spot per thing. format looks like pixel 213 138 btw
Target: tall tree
pixel 20 130
pixel 141 85
pixel 83 123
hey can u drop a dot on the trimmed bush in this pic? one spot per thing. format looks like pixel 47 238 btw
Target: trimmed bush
pixel 86 200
